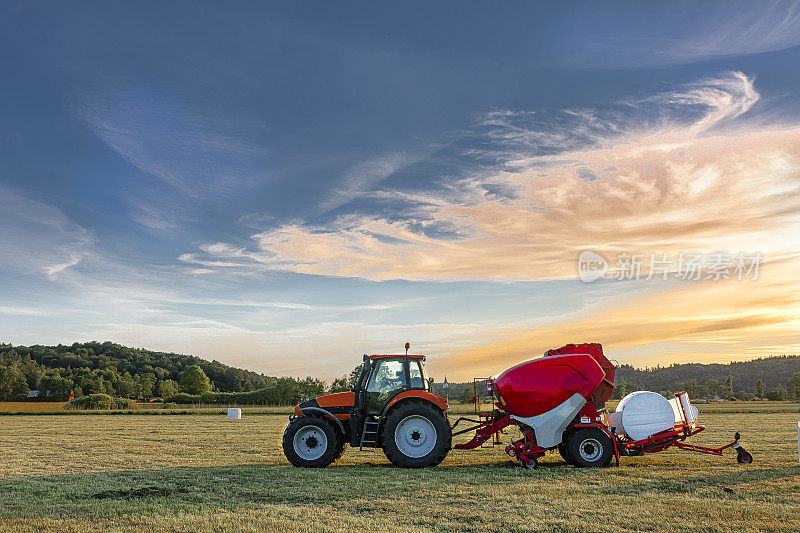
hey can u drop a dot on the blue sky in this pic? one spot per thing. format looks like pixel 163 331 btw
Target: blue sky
pixel 284 186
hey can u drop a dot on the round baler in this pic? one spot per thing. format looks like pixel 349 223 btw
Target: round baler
pixel 558 403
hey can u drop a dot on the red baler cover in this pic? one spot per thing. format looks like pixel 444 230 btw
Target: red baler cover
pixel 535 387
pixel 595 349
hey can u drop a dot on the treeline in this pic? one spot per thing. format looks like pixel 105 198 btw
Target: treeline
pixel 137 374
pixel 283 391
pixel 107 368
pixel 776 378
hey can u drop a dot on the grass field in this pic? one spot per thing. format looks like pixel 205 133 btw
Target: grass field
pixel 200 472
pixel 31 407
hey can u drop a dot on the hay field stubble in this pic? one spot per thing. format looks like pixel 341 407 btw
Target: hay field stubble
pixel 193 472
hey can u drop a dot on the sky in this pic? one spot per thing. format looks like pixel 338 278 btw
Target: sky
pixel 286 186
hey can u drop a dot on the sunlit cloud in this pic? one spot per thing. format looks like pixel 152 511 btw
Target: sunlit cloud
pixel 663 184
pixel 703 321
pixel 678 172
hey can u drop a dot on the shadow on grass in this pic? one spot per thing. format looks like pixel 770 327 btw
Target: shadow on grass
pixel 187 488
pixel 725 481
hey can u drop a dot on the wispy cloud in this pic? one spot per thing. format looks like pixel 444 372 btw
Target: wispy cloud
pixel 669 35
pixel 39 238
pixel 360 179
pixel 663 178
pixel 164 136
pixel 195 155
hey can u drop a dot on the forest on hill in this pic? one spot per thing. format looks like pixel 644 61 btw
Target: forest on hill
pixel 138 374
pixel 744 380
pixel 135 373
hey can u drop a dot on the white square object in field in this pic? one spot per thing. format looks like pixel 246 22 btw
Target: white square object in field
pixel 234 414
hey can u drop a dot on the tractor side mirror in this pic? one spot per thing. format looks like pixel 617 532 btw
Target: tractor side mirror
pixel 430 384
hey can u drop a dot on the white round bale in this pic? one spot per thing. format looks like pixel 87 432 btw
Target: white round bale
pixel 234 414
pixel 645 413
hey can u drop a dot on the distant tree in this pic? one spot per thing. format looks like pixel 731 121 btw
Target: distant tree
pixel 194 381
pixel 466 395
pixel 352 379
pixel 166 388
pixel 310 388
pixel 621 389
pixel 727 390
pixel 146 383
pixel 692 388
pixel 13 385
pixel 339 385
pixel 777 395
pixel 712 385
pixel 126 386
pixel 744 396
pixel 54 387
pixel 760 389
pixel 793 387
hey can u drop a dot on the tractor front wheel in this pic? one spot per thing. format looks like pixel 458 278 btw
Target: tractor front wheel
pixel 590 447
pixel 416 435
pixel 311 442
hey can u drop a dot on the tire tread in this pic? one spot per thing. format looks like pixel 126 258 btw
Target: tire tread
pixel 443 431
pixel 335 442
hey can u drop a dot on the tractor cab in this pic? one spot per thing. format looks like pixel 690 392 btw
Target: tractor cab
pixel 385 376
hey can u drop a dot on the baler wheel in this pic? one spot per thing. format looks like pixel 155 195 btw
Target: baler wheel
pixel 416 435
pixel 590 447
pixel 311 442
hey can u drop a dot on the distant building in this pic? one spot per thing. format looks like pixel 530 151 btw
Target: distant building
pixel 33 394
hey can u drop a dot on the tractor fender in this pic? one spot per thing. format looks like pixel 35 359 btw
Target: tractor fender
pixel 323 412
pixel 437 401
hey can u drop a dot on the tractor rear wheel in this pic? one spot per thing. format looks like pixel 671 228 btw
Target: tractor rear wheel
pixel 416 435
pixel 311 442
pixel 590 447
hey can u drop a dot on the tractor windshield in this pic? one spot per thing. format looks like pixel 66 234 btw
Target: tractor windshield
pixel 387 376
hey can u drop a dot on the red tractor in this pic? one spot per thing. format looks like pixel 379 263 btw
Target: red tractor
pixel 557 402
pixel 390 407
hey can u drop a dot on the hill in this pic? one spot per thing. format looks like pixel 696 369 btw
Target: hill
pixel 109 368
pixel 709 380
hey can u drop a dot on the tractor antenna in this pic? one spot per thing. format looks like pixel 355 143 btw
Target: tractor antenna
pixel 408 345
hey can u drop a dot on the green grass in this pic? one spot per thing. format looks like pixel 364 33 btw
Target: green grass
pixel 190 473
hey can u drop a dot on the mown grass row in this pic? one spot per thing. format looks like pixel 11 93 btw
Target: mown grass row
pixel 143 473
